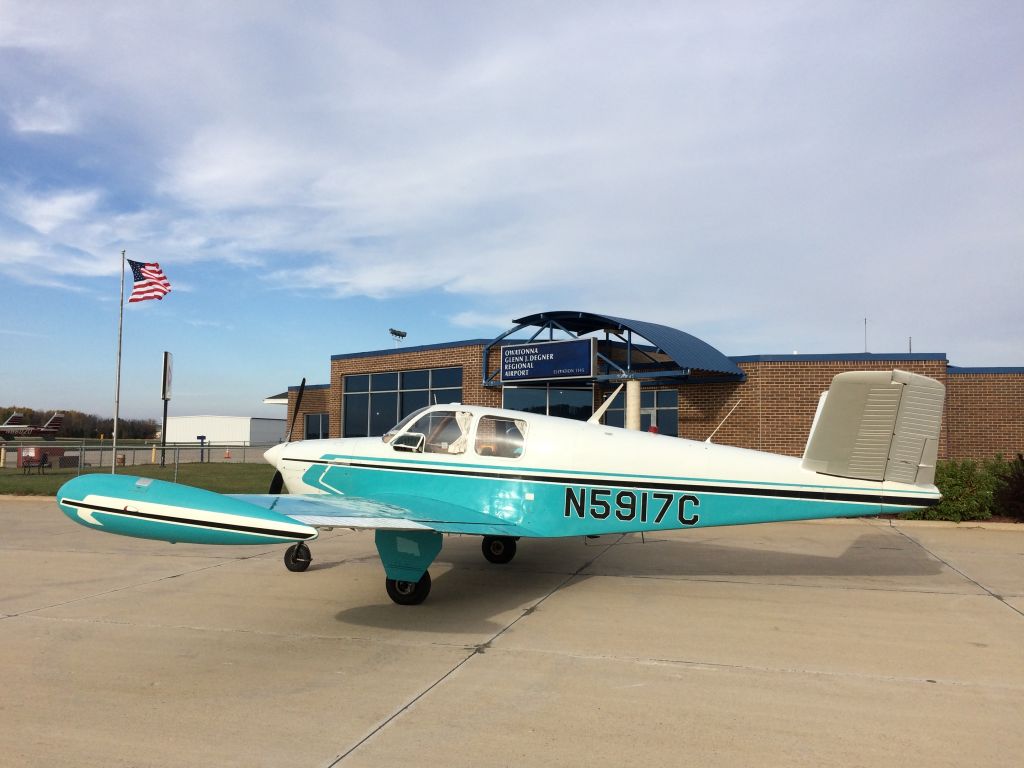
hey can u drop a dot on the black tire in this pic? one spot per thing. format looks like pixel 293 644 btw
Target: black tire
pixel 499 549
pixel 297 557
pixel 408 592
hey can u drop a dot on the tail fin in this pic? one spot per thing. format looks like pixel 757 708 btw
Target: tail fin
pixel 878 425
pixel 15 420
pixel 55 422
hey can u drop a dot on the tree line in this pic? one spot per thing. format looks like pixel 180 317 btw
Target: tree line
pixel 89 425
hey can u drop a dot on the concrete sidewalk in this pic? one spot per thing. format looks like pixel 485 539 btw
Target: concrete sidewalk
pixel 843 643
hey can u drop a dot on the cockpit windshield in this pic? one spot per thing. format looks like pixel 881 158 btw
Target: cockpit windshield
pixel 390 434
pixel 432 431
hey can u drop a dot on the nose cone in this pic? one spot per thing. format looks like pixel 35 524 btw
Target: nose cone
pixel 273 455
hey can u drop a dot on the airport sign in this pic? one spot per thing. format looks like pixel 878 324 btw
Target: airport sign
pixel 546 360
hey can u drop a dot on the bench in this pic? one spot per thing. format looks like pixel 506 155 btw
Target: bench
pixel 28 463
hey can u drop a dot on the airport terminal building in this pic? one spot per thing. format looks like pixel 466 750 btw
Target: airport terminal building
pixel 568 364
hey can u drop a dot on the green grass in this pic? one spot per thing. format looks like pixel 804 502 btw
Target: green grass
pixel 220 477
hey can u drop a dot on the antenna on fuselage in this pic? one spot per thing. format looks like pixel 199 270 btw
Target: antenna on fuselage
pixel 596 418
pixel 708 441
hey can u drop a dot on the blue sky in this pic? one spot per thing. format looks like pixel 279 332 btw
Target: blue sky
pixel 763 175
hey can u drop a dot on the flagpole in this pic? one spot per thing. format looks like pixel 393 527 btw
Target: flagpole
pixel 117 378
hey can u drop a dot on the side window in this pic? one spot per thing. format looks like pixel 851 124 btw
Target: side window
pixel 436 432
pixel 500 437
pixel 317 425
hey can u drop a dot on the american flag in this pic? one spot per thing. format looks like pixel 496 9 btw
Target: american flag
pixel 150 281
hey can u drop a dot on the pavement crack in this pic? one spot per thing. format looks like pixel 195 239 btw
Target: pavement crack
pixel 477 650
pixel 952 567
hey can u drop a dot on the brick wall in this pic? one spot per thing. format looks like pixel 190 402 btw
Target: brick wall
pixel 984 414
pixel 775 406
pixel 779 401
pixel 315 399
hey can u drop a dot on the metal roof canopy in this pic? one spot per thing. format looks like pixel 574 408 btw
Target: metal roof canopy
pixel 687 352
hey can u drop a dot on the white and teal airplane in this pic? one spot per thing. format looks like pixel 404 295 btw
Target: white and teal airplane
pixel 507 475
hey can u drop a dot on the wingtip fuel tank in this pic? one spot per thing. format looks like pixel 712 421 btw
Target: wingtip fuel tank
pixel 156 509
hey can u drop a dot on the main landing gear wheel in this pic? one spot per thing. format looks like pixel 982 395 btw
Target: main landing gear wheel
pixel 408 592
pixel 297 557
pixel 499 549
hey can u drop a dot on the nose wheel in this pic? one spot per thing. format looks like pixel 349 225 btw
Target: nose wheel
pixel 408 592
pixel 297 557
pixel 499 549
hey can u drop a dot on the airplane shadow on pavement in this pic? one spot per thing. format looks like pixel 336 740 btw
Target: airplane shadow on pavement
pixel 472 596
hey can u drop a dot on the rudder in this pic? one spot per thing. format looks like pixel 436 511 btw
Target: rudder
pixel 878 425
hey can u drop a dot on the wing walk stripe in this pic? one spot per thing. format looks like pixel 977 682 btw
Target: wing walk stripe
pixel 188 521
pixel 864 498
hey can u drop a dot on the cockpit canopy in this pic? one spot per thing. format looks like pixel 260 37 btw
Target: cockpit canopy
pixel 448 430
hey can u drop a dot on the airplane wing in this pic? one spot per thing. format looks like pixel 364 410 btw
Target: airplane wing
pixel 156 509
pixel 393 512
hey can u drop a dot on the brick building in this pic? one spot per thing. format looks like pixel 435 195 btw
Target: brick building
pixel 689 389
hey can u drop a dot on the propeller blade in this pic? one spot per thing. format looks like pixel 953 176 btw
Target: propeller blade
pixel 277 481
pixel 298 404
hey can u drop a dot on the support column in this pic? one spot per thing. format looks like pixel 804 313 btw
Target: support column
pixel 633 404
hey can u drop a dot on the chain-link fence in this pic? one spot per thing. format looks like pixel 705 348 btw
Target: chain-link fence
pixel 89 454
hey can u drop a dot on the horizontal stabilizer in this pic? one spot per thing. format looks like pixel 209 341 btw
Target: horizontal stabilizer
pixel 878 425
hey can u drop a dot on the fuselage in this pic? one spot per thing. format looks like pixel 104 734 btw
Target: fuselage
pixel 14 428
pixel 27 431
pixel 568 478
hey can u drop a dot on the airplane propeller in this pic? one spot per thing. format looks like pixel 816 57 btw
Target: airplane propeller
pixel 277 482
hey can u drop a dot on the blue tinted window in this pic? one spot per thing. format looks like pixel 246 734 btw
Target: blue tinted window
pixel 357 415
pixel 394 395
pixel 360 383
pixel 384 382
pixel 529 399
pixel 668 422
pixel 416 380
pixel 659 407
pixel 570 403
pixel 383 412
pixel 615 418
pixel 413 401
pixel 445 377
pixel 554 401
pixel 443 396
pixel 316 426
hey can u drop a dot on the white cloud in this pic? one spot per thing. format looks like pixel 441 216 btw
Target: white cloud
pixel 766 175
pixel 45 114
pixel 48 213
pixel 495 321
